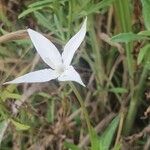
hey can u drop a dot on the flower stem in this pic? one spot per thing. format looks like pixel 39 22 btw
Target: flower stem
pixel 83 108
pixel 122 9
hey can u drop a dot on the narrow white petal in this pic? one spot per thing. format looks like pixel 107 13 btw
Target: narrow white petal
pixel 36 76
pixel 73 44
pixel 46 49
pixel 70 74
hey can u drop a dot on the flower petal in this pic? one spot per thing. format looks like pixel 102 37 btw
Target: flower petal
pixel 73 45
pixel 36 76
pixel 46 49
pixel 70 74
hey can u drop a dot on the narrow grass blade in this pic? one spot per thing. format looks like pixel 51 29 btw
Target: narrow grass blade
pixel 127 37
pixel 146 14
pixel 70 146
pixel 107 137
pixel 3 126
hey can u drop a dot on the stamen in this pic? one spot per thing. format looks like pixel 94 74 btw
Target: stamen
pixel 60 69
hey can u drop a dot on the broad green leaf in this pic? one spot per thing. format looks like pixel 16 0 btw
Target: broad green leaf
pixel 144 54
pixel 127 37
pixel 19 126
pixel 107 137
pixel 3 127
pixel 118 90
pixel 146 13
pixel 70 146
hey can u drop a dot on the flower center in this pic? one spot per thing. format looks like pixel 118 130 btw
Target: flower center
pixel 60 69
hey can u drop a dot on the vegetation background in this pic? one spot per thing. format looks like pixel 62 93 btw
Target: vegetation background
pixel 112 112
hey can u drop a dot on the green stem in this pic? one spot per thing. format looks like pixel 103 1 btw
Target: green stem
pixel 96 51
pixel 123 14
pixel 70 18
pixel 136 101
pixel 124 18
pixel 83 109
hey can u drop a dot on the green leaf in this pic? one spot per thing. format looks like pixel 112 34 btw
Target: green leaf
pixel 118 90
pixel 107 137
pixel 146 13
pixel 127 37
pixel 3 127
pixel 20 126
pixel 144 53
pixel 96 7
pixel 144 33
pixel 59 28
pixel 45 95
pixel 37 6
pixel 117 147
pixel 70 146
pixel 44 3
pixel 50 111
pixel 4 52
pixel 4 18
pixel 28 11
pixel 41 3
pixel 6 94
pixel 50 106
pixel 94 141
pixel 43 21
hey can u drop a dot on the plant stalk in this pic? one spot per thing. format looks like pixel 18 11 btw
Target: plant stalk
pixel 98 62
pixel 86 116
pixel 122 9
pixel 136 101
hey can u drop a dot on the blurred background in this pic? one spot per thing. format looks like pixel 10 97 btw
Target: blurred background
pixel 113 62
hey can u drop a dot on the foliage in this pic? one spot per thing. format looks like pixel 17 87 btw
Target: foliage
pixel 114 62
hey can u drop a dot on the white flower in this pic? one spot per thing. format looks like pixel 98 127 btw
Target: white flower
pixel 60 64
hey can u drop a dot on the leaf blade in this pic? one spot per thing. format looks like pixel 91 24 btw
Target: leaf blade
pixel 146 14
pixel 127 37
pixel 107 137
pixel 19 126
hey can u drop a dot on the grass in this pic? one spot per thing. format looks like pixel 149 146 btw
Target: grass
pixel 113 62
